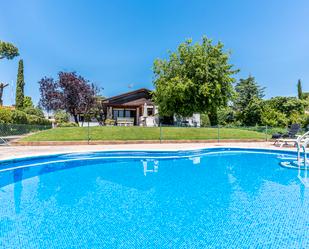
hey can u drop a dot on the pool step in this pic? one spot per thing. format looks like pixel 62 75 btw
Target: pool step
pixel 295 165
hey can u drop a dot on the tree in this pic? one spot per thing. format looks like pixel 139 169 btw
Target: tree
pixel 8 50
pixel 252 113
pixel 272 117
pixel 287 105
pixel 197 78
pixel 20 85
pixel 2 86
pixel 51 98
pixel 70 92
pixel 246 91
pixel 27 103
pixel 299 90
pixel 61 117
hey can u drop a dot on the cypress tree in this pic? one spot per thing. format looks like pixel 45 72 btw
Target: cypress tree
pixel 20 86
pixel 299 90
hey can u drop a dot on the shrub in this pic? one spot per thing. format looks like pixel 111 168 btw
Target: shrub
pixel 110 122
pixel 297 118
pixel 226 116
pixel 8 116
pixel 5 116
pixel 205 120
pixel 34 111
pixel 35 120
pixel 273 118
pixel 61 117
pixel 67 124
pixel 19 117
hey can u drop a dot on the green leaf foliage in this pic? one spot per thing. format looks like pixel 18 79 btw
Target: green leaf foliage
pixel 61 116
pixel 197 78
pixel 246 91
pixel 27 102
pixel 20 85
pixel 8 50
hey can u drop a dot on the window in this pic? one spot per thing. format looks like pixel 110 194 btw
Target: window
pixel 128 114
pixel 149 111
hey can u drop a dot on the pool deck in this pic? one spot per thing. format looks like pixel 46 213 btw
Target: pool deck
pixel 11 152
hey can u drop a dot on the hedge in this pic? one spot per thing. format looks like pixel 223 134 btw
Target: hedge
pixel 8 116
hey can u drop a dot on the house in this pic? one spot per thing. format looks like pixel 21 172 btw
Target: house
pixel 137 108
pixel 132 108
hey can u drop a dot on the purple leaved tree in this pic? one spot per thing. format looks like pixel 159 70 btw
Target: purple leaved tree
pixel 70 92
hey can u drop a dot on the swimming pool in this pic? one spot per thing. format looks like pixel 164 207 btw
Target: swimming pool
pixel 211 198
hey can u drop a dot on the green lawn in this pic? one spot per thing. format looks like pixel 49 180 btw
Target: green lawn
pixel 142 133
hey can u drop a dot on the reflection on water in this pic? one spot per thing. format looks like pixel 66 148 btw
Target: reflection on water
pixel 196 160
pixel 150 166
pixel 18 187
pixel 303 176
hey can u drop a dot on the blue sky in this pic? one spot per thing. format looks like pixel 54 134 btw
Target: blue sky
pixel 114 43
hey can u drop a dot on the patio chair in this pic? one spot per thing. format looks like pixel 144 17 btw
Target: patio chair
pixel 291 134
pixel 297 141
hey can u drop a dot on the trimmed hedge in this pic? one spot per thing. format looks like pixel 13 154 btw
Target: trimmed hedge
pixel 8 116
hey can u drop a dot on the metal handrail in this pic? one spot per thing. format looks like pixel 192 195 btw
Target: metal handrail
pixel 305 144
pixel 298 143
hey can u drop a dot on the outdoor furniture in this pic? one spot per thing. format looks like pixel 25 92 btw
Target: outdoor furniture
pixel 289 137
pixel 294 140
pixel 125 121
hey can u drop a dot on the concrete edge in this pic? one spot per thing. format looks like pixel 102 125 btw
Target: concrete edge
pixel 115 142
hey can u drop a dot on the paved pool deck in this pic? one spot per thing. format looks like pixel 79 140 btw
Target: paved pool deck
pixel 10 152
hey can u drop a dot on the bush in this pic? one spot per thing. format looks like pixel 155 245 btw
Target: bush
pixel 273 118
pixel 19 117
pixel 35 120
pixel 110 122
pixel 67 124
pixel 205 122
pixel 226 116
pixel 61 117
pixel 34 111
pixel 5 116
pixel 297 118
pixel 306 122
pixel 9 116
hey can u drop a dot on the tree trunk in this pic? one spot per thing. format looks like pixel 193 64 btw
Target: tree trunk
pixel 75 118
pixel 2 86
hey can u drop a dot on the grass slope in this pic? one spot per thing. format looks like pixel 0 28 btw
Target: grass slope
pixel 142 133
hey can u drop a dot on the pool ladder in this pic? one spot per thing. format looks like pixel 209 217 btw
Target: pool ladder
pixel 303 164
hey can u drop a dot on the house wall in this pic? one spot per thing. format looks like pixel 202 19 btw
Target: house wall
pixel 194 121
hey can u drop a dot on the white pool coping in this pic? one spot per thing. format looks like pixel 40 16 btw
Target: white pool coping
pixel 13 152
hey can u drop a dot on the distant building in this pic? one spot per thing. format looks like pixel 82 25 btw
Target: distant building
pixel 137 108
pixel 132 108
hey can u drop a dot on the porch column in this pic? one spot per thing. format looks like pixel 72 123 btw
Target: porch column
pixel 137 116
pixel 110 113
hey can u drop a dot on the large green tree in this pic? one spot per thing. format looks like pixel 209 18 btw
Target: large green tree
pixel 8 50
pixel 20 85
pixel 247 90
pixel 299 90
pixel 196 78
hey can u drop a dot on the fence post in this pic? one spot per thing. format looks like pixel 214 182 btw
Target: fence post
pixel 266 131
pixel 160 132
pixel 88 133
pixel 218 133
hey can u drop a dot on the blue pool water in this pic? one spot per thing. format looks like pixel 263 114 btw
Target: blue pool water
pixel 212 198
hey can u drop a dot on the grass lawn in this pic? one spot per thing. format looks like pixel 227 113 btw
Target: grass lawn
pixel 142 133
